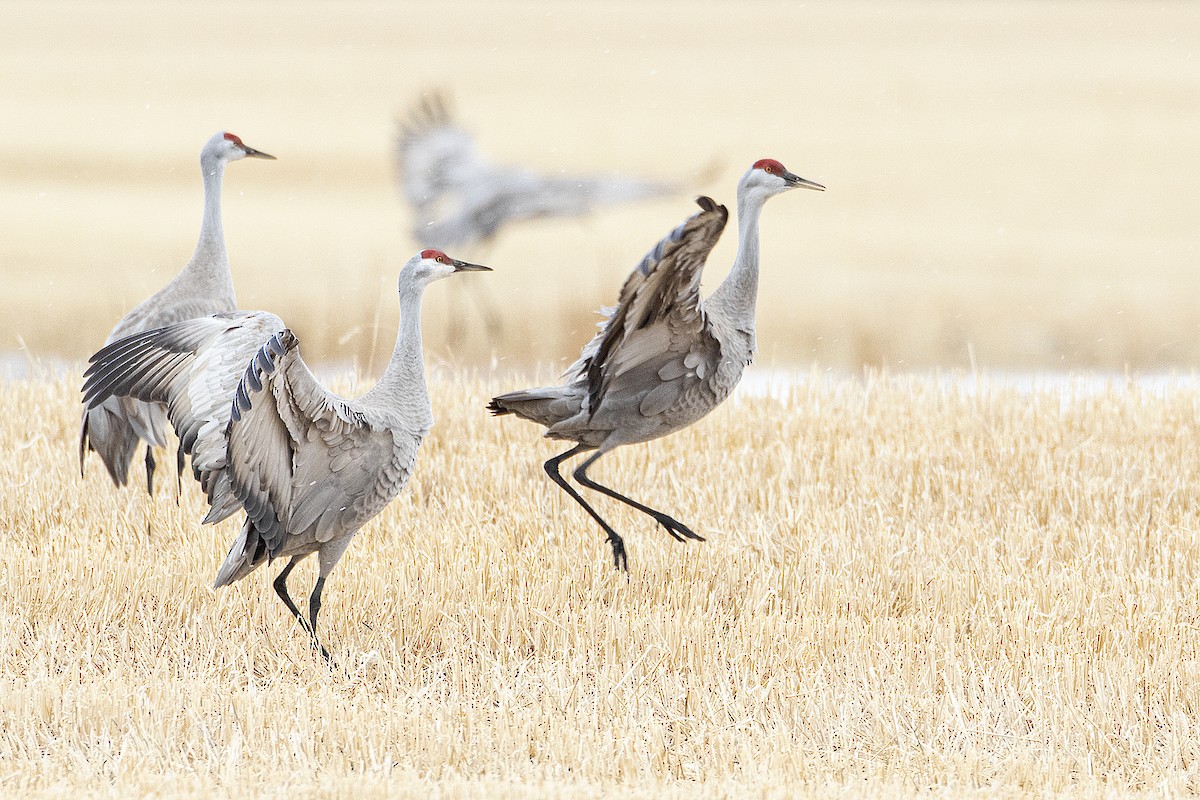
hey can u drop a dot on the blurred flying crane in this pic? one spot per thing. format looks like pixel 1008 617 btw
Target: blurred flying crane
pixel 204 286
pixel 663 358
pixel 460 199
pixel 308 467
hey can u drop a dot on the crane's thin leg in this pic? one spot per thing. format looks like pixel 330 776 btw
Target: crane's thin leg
pixel 280 585
pixel 673 526
pixel 150 470
pixel 620 560
pixel 314 605
pixel 179 474
pixel 314 608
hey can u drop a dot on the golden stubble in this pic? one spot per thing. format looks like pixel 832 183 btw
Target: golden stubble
pixel 908 582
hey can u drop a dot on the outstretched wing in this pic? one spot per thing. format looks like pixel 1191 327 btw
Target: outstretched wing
pixel 304 463
pixel 193 367
pixel 435 158
pixel 657 337
pixel 459 197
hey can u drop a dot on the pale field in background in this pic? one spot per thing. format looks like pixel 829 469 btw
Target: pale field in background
pixel 909 583
pixel 906 585
pixel 1014 179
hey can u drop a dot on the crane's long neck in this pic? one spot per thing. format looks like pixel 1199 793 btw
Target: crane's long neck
pixel 209 266
pixel 402 386
pixel 737 294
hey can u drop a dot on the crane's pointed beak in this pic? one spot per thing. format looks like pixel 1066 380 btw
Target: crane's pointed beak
pixel 252 153
pixel 795 181
pixel 463 266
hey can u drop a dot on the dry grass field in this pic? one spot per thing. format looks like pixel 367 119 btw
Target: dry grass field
pixel 909 585
pixel 1016 177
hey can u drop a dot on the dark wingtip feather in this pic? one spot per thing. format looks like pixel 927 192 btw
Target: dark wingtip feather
pixel 262 362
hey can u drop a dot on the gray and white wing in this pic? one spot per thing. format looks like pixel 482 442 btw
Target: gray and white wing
pixel 558 196
pixel 193 367
pixel 658 340
pixel 435 158
pixel 511 194
pixel 162 310
pixel 459 197
pixel 304 462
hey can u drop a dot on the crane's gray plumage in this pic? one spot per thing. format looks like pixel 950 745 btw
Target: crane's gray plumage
pixel 459 198
pixel 308 467
pixel 204 286
pixel 663 358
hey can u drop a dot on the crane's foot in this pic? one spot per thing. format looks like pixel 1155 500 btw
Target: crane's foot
pixel 320 648
pixel 676 528
pixel 620 559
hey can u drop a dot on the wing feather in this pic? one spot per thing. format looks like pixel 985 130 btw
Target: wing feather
pixel 459 198
pixel 310 464
pixel 659 323
pixel 193 368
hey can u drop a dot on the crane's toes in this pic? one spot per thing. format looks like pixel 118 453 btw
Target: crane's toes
pixel 620 560
pixel 677 529
pixel 329 660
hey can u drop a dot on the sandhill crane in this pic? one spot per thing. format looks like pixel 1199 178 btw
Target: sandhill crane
pixel 460 199
pixel 663 358
pixel 204 286
pixel 308 467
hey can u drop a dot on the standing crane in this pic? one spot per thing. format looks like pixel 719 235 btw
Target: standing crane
pixel 308 467
pixel 204 286
pixel 663 358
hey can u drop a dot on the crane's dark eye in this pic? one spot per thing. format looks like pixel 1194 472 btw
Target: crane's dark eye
pixel 770 169
pixel 440 260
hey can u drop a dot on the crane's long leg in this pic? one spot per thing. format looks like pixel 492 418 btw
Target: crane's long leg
pixel 150 470
pixel 179 474
pixel 280 585
pixel 314 605
pixel 672 525
pixel 620 560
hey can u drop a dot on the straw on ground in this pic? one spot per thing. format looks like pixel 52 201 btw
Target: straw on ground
pixel 908 583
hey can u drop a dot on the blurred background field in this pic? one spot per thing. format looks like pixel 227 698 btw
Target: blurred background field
pixel 1013 182
pixel 980 585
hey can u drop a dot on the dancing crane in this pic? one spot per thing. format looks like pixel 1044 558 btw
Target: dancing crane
pixel 663 358
pixel 308 467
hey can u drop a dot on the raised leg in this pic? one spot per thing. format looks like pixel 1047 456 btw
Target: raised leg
pixel 673 526
pixel 280 585
pixel 150 470
pixel 620 560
